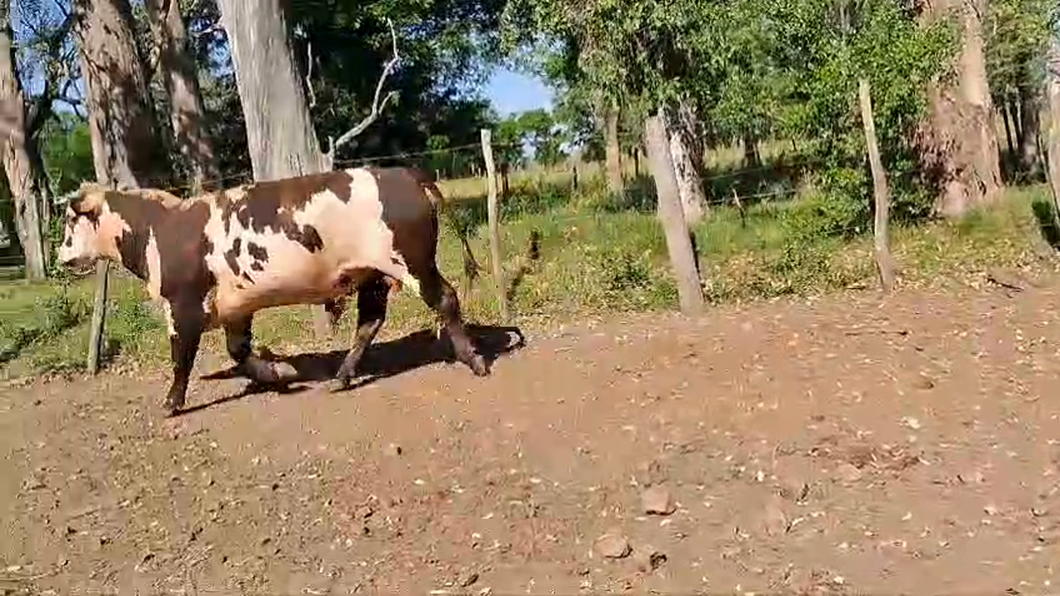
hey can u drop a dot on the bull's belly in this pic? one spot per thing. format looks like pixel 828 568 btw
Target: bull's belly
pixel 238 298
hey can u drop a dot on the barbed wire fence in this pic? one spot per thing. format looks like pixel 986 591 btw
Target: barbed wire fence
pixel 565 196
pixel 517 183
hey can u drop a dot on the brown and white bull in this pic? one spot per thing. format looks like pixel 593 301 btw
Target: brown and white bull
pixel 214 260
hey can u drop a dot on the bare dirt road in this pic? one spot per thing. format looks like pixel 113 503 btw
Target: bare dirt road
pixel 842 445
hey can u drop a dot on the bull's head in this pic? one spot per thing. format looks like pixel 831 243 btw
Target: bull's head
pixel 90 229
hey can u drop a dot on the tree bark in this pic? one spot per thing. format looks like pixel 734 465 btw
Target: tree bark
pixel 672 215
pixel 613 151
pixel 280 133
pixel 126 151
pixel 881 191
pixel 958 142
pixel 182 88
pixel 1052 94
pixel 25 175
pixel 686 150
pixel 1029 97
pixel 1008 119
pixel 751 158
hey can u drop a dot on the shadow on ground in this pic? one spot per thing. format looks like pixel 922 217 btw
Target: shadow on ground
pixel 382 360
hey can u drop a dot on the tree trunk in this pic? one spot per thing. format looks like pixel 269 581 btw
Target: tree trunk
pixel 751 158
pixel 1029 97
pixel 280 131
pixel 24 175
pixel 687 154
pixel 613 151
pixel 1008 119
pixel 672 216
pixel 958 142
pixel 881 192
pixel 1052 94
pixel 182 88
pixel 126 152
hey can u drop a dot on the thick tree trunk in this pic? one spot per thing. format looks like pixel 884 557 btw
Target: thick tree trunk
pixel 1052 94
pixel 126 151
pixel 25 177
pixel 686 150
pixel 280 131
pixel 182 88
pixel 1029 97
pixel 958 143
pixel 125 148
pixel 751 158
pixel 880 189
pixel 671 215
pixel 613 151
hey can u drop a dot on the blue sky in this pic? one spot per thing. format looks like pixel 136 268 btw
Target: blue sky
pixel 511 91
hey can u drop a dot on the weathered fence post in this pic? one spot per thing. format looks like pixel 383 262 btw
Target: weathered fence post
pixel 99 315
pixel 1052 93
pixel 884 261
pixel 672 215
pixel 494 224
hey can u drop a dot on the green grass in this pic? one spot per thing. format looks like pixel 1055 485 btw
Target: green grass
pixel 596 256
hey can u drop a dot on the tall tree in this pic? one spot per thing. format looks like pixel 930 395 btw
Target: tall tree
pixel 182 89
pixel 960 145
pixel 280 133
pixel 613 149
pixel 272 90
pixel 25 174
pixel 125 147
pixel 1052 93
pixel 686 150
pixel 43 46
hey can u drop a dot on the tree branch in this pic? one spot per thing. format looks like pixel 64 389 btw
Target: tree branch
pixel 377 106
pixel 309 74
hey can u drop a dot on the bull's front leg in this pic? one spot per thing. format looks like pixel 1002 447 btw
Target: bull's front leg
pixel 185 332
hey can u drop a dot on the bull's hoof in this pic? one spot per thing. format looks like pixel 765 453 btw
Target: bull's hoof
pixel 172 407
pixel 339 384
pixel 268 373
pixel 478 366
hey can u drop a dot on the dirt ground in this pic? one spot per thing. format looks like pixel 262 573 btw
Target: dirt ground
pixel 842 445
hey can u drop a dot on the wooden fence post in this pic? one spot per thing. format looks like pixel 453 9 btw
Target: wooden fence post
pixel 884 261
pixel 1052 94
pixel 494 224
pixel 672 215
pixel 99 315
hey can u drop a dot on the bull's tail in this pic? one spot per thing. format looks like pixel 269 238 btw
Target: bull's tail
pixel 471 266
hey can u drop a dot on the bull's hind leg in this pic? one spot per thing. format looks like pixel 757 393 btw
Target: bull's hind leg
pixel 239 339
pixel 440 296
pixel 371 312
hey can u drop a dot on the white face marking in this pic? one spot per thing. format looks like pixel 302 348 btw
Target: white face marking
pixel 79 239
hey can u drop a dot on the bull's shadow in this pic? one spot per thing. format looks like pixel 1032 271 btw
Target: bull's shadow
pixel 382 359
